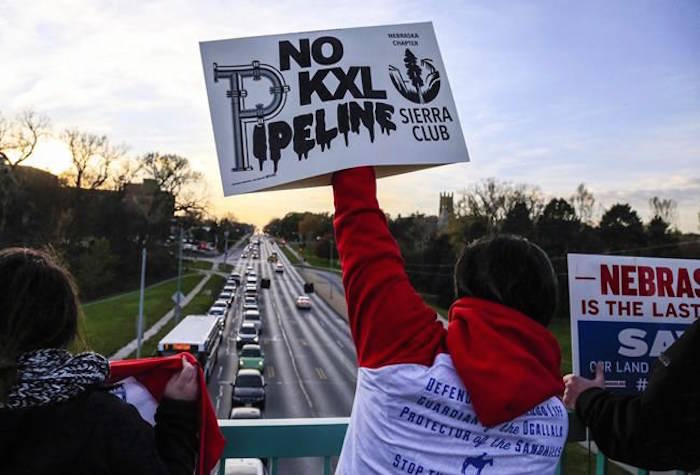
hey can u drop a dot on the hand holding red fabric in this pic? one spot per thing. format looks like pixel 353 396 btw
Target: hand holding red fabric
pixel 154 374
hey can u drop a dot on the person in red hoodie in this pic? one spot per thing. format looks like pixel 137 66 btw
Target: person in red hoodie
pixel 480 397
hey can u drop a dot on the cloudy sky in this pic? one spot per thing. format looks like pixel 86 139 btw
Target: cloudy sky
pixel 549 93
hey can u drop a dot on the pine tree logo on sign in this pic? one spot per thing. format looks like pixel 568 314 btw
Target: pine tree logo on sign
pixel 415 87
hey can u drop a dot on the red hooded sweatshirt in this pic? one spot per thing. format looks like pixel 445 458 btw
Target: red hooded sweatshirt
pixel 481 393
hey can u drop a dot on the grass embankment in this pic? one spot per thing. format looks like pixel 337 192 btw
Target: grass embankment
pixel 290 255
pixel 312 259
pixel 199 305
pixel 226 268
pixel 562 331
pixel 110 323
pixel 191 264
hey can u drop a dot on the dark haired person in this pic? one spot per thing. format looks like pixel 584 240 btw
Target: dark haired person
pixel 658 429
pixel 482 394
pixel 56 415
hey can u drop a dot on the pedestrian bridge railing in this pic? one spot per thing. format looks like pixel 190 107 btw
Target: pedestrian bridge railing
pixel 274 439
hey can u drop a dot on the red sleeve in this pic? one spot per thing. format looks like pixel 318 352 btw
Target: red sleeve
pixel 389 321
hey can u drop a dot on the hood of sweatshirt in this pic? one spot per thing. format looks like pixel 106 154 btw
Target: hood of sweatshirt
pixel 508 362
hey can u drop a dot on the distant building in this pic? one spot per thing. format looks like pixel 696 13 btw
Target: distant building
pixel 446 211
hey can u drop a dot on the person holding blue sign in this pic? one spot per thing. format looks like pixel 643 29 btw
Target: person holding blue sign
pixel 658 429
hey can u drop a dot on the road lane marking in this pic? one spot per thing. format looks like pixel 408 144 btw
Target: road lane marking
pixel 291 354
pixel 270 371
pixel 221 368
pixel 321 374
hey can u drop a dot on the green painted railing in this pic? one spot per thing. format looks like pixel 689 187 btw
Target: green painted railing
pixel 274 439
pixel 283 438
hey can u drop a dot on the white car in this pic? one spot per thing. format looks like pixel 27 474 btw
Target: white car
pixel 227 295
pixel 230 287
pixel 244 467
pixel 304 302
pixel 253 316
pixel 220 302
pixel 251 289
pixel 250 306
pixel 251 279
pixel 245 413
pixel 219 308
pixel 279 268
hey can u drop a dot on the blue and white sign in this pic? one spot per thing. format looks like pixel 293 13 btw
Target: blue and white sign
pixel 626 311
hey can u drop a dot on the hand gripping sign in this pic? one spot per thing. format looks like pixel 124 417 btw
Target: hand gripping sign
pixel 289 110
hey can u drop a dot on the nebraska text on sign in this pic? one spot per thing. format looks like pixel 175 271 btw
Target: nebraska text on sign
pixel 288 110
pixel 625 311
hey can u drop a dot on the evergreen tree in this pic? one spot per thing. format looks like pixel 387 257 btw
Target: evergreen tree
pixel 414 72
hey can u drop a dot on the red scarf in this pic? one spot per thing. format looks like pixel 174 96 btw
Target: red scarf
pixel 508 362
pixel 154 373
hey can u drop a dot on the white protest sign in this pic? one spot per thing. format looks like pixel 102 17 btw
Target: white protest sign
pixel 288 110
pixel 625 311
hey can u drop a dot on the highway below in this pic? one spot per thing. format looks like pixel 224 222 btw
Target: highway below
pixel 311 368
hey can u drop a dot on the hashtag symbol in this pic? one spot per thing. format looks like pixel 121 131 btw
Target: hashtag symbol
pixel 641 384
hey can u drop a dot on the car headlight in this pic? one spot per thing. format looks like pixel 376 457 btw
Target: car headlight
pixel 260 363
pixel 255 339
pixel 238 338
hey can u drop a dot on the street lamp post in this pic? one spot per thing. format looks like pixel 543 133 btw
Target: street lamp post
pixel 332 247
pixel 139 330
pixel 225 246
pixel 179 274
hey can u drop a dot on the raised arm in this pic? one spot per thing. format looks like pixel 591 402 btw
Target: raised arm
pixel 389 321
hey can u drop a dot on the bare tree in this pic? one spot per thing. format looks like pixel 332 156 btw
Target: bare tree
pixel 173 174
pixel 664 209
pixel 126 170
pixel 19 138
pixel 583 202
pixel 491 200
pixel 192 202
pixel 92 157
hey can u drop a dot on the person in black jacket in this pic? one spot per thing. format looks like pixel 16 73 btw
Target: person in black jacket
pixel 57 415
pixel 658 429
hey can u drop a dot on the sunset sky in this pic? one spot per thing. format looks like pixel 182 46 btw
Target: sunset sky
pixel 549 93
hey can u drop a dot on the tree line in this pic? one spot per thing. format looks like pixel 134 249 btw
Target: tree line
pixel 559 225
pixel 100 212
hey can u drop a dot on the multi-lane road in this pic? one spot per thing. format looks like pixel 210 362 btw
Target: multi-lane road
pixel 311 368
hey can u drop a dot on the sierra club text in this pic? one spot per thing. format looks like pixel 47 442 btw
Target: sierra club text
pixel 309 130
